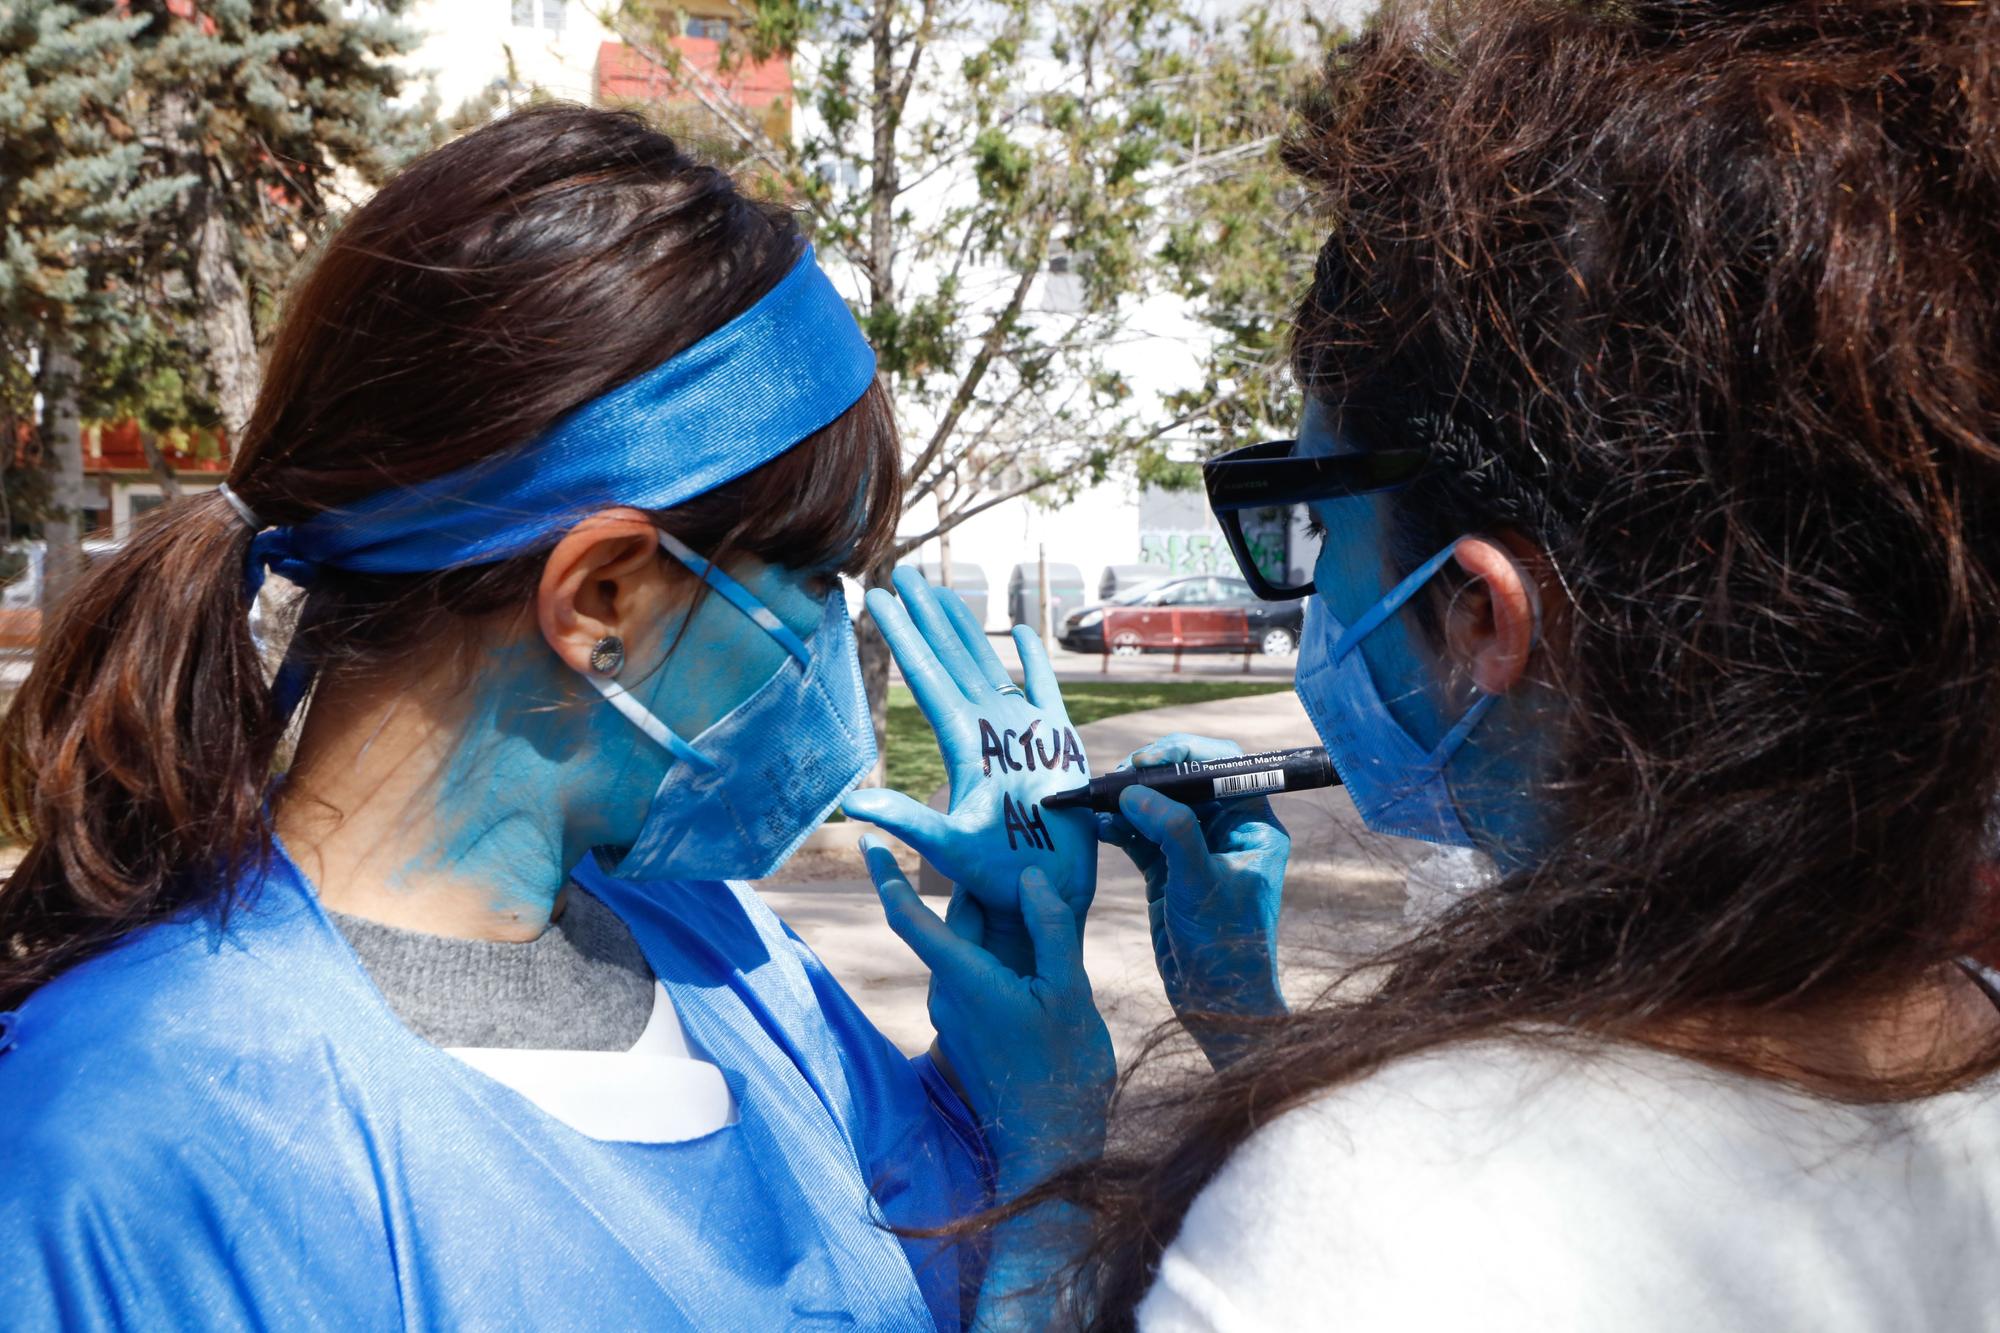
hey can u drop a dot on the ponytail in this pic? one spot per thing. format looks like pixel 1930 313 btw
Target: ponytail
pixel 134 761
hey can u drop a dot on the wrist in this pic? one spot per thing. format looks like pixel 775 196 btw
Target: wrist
pixel 1249 993
pixel 1225 1025
pixel 1021 1162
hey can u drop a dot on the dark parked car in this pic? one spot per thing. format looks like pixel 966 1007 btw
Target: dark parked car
pixel 1203 612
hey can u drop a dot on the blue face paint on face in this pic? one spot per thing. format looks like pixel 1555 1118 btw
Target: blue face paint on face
pixel 1489 774
pixel 1352 573
pixel 528 728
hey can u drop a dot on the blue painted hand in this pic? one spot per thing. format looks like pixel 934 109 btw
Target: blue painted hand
pixel 1004 749
pixel 1028 1051
pixel 1214 881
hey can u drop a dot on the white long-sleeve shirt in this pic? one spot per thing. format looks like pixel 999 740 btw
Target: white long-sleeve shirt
pixel 1498 1187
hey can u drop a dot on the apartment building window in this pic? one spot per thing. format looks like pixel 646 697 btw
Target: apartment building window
pixel 838 172
pixel 524 13
pixel 710 29
pixel 1062 286
pixel 552 14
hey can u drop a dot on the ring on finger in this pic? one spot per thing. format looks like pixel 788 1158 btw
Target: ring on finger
pixel 1011 688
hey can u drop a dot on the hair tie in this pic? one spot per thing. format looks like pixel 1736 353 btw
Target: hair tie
pixel 271 548
pixel 243 510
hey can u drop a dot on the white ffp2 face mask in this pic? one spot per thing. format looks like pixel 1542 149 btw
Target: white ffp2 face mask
pixel 740 798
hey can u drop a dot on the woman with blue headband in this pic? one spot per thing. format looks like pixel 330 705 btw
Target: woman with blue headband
pixel 467 1019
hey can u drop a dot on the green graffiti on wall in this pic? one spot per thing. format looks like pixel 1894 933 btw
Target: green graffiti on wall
pixel 1200 551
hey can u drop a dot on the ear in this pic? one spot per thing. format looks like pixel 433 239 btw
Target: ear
pixel 605 577
pixel 1493 623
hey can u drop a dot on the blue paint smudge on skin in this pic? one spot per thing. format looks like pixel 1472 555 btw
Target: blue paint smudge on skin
pixel 543 770
pixel 1493 775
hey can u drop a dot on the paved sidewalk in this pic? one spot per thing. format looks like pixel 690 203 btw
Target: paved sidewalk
pixel 1344 890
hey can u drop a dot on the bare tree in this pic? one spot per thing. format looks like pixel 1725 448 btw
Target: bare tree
pixel 982 177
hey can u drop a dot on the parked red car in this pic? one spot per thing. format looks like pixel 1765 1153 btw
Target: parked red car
pixel 1199 613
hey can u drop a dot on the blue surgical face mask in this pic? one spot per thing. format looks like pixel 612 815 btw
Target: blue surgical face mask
pixel 1397 785
pixel 740 798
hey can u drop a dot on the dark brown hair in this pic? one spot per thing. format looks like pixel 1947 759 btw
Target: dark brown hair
pixel 490 287
pixel 1704 298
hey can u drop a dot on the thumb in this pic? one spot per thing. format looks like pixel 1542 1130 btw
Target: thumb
pixel 1170 825
pixel 915 823
pixel 1056 933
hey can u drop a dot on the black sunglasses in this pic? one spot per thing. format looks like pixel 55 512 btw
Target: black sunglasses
pixel 1261 476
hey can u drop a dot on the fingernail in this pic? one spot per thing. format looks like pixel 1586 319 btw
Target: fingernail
pixel 868 843
pixel 1034 877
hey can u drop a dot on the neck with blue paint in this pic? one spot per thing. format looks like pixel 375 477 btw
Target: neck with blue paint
pixel 455 799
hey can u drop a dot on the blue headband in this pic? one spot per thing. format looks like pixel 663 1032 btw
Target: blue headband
pixel 724 407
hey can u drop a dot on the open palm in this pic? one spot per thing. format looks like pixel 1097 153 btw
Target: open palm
pixel 1004 747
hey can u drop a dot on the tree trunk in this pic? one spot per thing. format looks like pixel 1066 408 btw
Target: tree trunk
pixel 884 181
pixel 226 327
pixel 875 660
pixel 62 432
pixel 163 471
pixel 884 185
pixel 225 319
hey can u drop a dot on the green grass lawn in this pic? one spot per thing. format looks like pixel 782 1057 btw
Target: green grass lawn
pixel 916 767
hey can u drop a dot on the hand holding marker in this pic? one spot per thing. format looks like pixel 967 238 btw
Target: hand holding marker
pixel 1192 782
pixel 1214 872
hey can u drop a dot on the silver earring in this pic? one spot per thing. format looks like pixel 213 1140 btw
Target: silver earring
pixel 607 656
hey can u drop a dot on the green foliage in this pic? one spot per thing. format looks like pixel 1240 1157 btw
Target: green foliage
pixel 74 195
pixel 1155 467
pixel 1003 168
pixel 991 181
pixel 124 128
pixel 1243 237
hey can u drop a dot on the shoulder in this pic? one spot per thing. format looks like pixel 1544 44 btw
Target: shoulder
pixel 166 982
pixel 176 1095
pixel 1501 1183
pixel 180 1025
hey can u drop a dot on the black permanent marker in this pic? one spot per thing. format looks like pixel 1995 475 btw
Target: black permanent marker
pixel 1194 781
